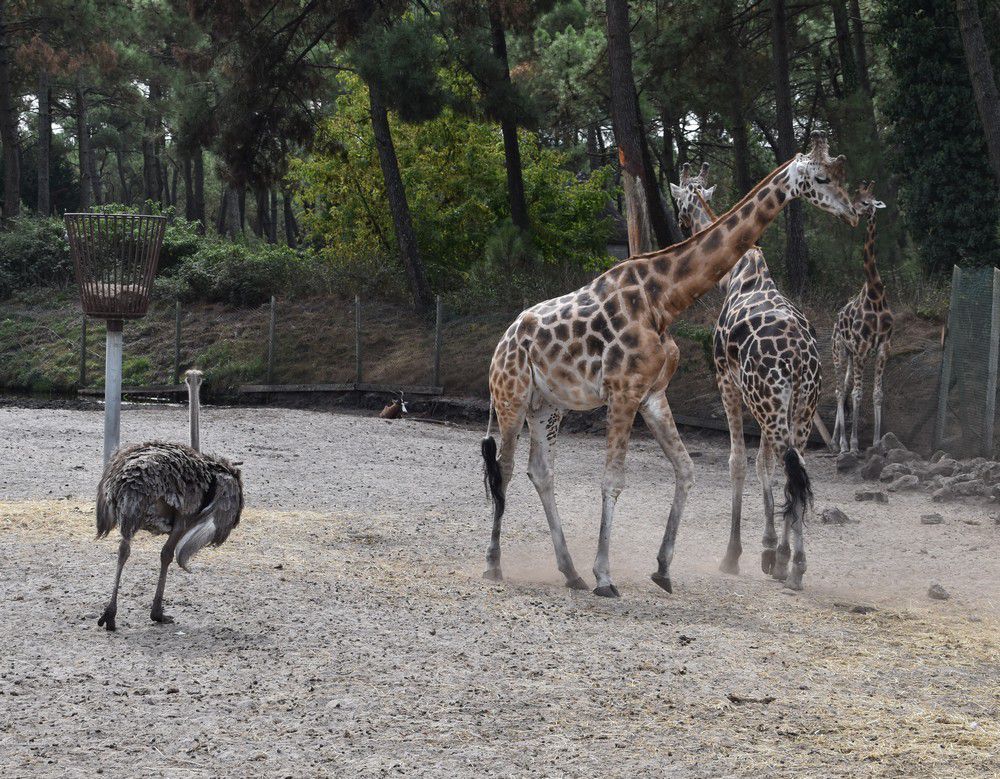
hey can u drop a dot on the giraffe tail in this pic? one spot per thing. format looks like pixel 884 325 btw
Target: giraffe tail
pixel 798 487
pixel 492 479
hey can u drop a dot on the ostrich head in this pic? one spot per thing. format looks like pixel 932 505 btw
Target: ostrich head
pixel 193 379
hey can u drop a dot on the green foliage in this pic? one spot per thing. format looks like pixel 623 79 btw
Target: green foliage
pixel 237 274
pixel 453 170
pixel 33 252
pixel 701 335
pixel 947 194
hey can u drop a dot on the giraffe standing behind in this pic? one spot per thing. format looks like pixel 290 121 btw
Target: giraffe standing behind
pixel 766 358
pixel 607 345
pixel 863 326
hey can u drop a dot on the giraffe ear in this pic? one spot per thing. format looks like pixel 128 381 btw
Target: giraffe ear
pixel 878 204
pixel 707 193
pixel 676 191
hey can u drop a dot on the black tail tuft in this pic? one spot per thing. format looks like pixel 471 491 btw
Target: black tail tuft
pixel 105 517
pixel 798 488
pixel 491 473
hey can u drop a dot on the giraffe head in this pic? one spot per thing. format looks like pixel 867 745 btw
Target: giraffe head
pixel 688 192
pixel 819 179
pixel 864 202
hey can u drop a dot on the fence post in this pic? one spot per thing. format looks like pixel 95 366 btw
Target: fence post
pixel 357 339
pixel 177 342
pixel 270 343
pixel 83 352
pixel 991 377
pixel 436 374
pixel 944 384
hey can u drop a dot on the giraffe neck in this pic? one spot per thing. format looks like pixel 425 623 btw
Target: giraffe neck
pixel 697 264
pixel 702 215
pixel 872 279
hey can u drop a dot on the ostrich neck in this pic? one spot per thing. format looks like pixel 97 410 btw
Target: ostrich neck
pixel 194 411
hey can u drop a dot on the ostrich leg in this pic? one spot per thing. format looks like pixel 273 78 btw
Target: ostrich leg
pixel 107 619
pixel 166 555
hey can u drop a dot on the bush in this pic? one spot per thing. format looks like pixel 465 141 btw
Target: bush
pixel 238 274
pixel 33 252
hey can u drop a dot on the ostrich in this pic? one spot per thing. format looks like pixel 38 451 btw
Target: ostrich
pixel 193 498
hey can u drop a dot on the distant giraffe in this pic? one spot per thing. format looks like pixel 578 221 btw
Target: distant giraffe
pixel 765 357
pixel 863 326
pixel 607 344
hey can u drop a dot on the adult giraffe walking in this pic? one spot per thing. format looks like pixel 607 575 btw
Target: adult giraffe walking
pixel 607 344
pixel 766 358
pixel 864 325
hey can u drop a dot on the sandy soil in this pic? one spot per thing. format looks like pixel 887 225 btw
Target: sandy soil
pixel 345 630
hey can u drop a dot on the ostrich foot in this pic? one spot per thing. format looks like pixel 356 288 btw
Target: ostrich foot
pixel 157 615
pixel 577 583
pixel 607 591
pixel 107 620
pixel 662 581
pixel 494 574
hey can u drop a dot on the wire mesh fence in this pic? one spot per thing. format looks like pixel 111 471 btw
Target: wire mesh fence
pixel 968 382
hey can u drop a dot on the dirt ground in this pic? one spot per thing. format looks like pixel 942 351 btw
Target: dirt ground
pixel 344 630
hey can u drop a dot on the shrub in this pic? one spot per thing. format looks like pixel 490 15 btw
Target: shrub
pixel 33 252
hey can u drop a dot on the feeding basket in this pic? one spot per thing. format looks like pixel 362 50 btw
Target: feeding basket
pixel 115 258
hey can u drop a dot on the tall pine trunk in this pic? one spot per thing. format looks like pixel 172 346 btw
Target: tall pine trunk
pixel 648 222
pixel 44 202
pixel 95 175
pixel 860 52
pixel 291 228
pixel 796 250
pixel 406 238
pixel 845 52
pixel 199 187
pixel 508 127
pixel 272 235
pixel 83 149
pixel 8 126
pixel 188 188
pixel 981 73
pixel 152 178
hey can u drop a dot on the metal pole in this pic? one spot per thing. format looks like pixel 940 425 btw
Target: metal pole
pixel 436 376
pixel 357 339
pixel 83 352
pixel 270 343
pixel 991 378
pixel 177 342
pixel 112 389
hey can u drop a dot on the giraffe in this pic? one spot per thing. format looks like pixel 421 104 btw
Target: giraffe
pixel 606 344
pixel 863 326
pixel 765 358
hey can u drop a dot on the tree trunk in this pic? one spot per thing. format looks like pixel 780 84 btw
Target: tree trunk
pixel 796 250
pixel 508 127
pixel 123 181
pixel 406 239
pixel 261 226
pixel 233 219
pixel 860 53
pixel 44 203
pixel 199 187
pixel 220 221
pixel 984 85
pixel 272 233
pixel 188 188
pixel 241 206
pixel 644 208
pixel 291 228
pixel 8 126
pixel 669 162
pixel 842 32
pixel 95 176
pixel 83 149
pixel 152 178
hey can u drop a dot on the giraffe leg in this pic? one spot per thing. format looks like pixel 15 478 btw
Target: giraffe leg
pixel 798 508
pixel 838 364
pixel 656 412
pixel 543 425
pixel 107 619
pixel 737 471
pixel 859 376
pixel 765 472
pixel 842 403
pixel 621 415
pixel 880 360
pixel 511 421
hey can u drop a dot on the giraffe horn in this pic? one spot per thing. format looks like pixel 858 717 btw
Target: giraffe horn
pixel 703 173
pixel 685 172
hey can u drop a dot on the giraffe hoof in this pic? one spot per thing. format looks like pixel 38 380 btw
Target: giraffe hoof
pixel 577 584
pixel 793 583
pixel 607 591
pixel 493 574
pixel 731 566
pixel 662 581
pixel 767 560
